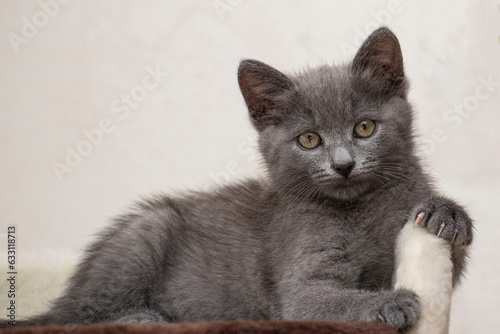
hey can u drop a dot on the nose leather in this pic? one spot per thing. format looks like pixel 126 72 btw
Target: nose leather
pixel 343 162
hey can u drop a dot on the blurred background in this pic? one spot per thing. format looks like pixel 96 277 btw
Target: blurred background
pixel 106 101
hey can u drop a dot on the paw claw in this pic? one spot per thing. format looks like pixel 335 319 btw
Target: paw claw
pixel 454 236
pixel 420 219
pixel 380 317
pixel 441 228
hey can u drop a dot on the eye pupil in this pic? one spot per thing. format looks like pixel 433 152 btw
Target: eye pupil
pixel 309 137
pixel 364 126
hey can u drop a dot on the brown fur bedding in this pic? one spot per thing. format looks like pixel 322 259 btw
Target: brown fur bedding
pixel 229 327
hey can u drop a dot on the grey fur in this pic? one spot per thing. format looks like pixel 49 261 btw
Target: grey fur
pixel 304 243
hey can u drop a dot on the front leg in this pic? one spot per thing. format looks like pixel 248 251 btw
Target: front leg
pixel 448 220
pixel 320 300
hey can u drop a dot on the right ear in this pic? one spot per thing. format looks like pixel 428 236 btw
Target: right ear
pixel 262 86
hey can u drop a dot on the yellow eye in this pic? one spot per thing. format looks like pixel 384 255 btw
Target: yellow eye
pixel 309 140
pixel 364 129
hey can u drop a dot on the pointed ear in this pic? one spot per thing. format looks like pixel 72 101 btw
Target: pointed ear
pixel 380 63
pixel 262 87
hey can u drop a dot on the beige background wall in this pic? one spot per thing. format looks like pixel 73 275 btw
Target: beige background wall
pixel 66 67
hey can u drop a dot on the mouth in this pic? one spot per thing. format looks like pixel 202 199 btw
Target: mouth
pixel 343 188
pixel 335 181
pixel 344 183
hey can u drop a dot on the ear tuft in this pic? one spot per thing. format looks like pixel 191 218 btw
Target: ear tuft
pixel 380 59
pixel 261 86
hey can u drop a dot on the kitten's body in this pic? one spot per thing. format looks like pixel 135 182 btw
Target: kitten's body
pixel 230 256
pixel 314 240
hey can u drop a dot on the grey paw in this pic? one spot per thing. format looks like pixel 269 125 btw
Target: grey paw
pixel 137 317
pixel 446 219
pixel 400 309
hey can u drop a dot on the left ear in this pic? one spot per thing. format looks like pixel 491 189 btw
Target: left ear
pixel 379 62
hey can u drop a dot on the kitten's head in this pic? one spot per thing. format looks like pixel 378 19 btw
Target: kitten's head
pixel 336 131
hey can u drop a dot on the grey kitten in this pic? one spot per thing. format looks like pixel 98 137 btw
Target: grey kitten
pixel 314 240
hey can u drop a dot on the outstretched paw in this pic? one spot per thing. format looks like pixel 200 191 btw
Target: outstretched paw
pixel 446 219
